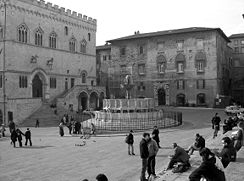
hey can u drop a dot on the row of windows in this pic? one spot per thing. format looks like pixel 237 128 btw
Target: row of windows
pixel 161 67
pixel 181 99
pixel 106 57
pixel 236 42
pixel 23 38
pixel 200 84
pixel 161 46
pixel 239 49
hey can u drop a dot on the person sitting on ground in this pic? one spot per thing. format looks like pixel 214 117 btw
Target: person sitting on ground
pixel 209 168
pixel 130 142
pixel 180 155
pixel 197 145
pixel 101 177
pixel 239 137
pixel 225 154
pixel 228 124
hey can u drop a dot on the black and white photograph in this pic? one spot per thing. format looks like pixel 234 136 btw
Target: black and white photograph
pixel 121 90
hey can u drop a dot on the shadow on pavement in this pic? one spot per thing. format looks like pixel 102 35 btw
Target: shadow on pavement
pixel 34 147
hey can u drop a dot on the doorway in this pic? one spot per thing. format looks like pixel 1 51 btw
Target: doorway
pixel 37 87
pixel 161 97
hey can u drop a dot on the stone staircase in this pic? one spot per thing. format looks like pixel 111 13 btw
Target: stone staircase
pixel 45 115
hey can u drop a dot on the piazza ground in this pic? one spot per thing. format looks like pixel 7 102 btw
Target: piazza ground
pixel 54 158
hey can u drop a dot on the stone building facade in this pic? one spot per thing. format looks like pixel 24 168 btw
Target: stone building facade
pixel 46 51
pixel 237 44
pixel 176 67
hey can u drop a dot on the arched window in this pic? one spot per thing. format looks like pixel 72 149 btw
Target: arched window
pixel 22 33
pixel 89 36
pixel 38 37
pixel 83 76
pixel 72 44
pixel 161 64
pixel 200 61
pixel 83 46
pixel 180 99
pixel 180 62
pixel 201 99
pixel 53 40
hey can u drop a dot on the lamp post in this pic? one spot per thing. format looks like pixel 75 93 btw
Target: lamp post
pixel 4 62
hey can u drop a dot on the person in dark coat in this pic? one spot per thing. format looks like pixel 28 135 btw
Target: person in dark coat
pixel 208 168
pixel 37 123
pixel 153 150
pixel 197 145
pixel 180 155
pixel 19 136
pixel 14 137
pixel 144 155
pixel 28 137
pixel 155 135
pixel 11 126
pixel 61 129
pixel 101 177
pixel 216 124
pixel 130 142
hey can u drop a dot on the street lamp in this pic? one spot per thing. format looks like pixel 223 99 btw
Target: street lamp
pixel 4 61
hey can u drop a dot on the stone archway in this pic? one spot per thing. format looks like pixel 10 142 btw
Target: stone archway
pixel 93 100
pixel 39 84
pixel 180 99
pixel 37 87
pixel 161 97
pixel 83 101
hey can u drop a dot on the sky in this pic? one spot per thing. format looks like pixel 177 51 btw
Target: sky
pixel 118 18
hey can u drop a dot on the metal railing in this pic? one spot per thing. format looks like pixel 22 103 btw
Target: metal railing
pixel 135 121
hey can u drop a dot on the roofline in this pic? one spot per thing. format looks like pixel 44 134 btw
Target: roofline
pixel 103 47
pixel 212 29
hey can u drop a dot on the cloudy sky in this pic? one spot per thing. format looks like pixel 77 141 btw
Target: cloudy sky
pixel 118 18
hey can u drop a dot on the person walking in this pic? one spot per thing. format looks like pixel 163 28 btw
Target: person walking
pixel 28 137
pixel 155 135
pixel 14 137
pixel 153 150
pixel 19 136
pixel 2 131
pixel 37 123
pixel 61 129
pixel 216 124
pixel 130 142
pixel 144 155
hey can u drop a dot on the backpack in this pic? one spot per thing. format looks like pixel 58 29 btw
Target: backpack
pixel 127 139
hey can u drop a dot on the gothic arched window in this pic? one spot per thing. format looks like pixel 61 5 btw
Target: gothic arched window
pixel 53 40
pixel 38 37
pixel 83 46
pixel 22 33
pixel 72 44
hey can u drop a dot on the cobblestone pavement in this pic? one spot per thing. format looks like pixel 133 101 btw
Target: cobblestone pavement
pixel 54 158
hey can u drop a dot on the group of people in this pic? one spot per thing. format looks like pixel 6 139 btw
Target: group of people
pixel 16 135
pixel 149 147
pixel 74 126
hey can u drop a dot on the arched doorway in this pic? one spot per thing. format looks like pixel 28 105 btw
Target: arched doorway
pixel 83 101
pixel 101 100
pixel 180 100
pixel 37 87
pixel 161 97
pixel 201 99
pixel 93 100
